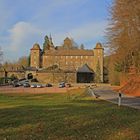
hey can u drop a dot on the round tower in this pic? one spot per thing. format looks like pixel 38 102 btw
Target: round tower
pixel 35 56
pixel 98 62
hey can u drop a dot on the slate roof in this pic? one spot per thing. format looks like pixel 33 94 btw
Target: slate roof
pixel 98 46
pixel 35 47
pixel 85 69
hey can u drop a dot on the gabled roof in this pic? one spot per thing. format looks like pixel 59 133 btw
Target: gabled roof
pixel 35 47
pixel 85 69
pixel 67 38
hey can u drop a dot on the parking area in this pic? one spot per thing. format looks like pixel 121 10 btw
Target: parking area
pixel 55 88
pixel 10 89
pixel 41 88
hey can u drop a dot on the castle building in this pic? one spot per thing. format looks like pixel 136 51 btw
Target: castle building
pixel 87 65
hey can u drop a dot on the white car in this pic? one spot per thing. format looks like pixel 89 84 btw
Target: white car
pixel 39 86
pixel 33 86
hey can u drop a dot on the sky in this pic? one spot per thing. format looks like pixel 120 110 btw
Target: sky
pixel 25 22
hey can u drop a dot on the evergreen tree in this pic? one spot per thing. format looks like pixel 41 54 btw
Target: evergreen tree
pixel 98 73
pixel 29 57
pixel 46 42
pixel 82 46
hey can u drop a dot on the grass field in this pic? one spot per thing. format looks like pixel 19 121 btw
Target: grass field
pixel 72 116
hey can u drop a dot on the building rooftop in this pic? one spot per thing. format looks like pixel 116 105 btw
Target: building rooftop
pixel 36 47
pixel 85 69
pixel 70 52
pixel 98 46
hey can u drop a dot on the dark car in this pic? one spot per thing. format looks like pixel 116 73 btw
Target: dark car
pixel 48 85
pixel 26 85
pixel 34 80
pixel 16 85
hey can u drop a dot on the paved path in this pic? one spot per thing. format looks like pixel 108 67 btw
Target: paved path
pixel 108 94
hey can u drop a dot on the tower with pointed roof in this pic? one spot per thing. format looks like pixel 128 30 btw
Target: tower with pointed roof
pixel 35 56
pixel 98 59
pixel 67 43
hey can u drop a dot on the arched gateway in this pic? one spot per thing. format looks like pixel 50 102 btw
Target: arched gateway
pixel 85 74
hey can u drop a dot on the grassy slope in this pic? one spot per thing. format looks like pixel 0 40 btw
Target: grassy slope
pixel 64 117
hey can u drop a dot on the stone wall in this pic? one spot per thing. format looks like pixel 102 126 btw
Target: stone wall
pixel 48 77
pixel 18 74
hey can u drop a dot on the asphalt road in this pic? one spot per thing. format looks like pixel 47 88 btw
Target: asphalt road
pixel 106 93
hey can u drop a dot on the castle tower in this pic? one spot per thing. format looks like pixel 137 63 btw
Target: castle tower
pixel 67 43
pixel 35 56
pixel 98 62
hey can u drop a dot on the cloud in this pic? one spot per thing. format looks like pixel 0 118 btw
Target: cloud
pixel 4 15
pixel 21 34
pixel 83 33
pixel 89 30
pixel 22 24
pixel 19 40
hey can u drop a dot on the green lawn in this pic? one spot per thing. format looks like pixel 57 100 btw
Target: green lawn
pixel 72 116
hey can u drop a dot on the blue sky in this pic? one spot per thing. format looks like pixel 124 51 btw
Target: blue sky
pixel 25 22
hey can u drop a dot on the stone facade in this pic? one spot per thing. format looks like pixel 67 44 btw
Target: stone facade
pixel 19 73
pixel 56 77
pixel 66 57
pixel 35 58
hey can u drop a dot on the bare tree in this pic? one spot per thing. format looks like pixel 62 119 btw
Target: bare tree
pixel 1 56
pixel 123 33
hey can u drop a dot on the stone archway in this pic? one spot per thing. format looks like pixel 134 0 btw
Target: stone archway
pixel 29 76
pixel 85 77
pixel 85 74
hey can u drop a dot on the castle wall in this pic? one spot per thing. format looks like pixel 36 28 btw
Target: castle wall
pixel 68 58
pixel 49 77
pixel 68 62
pixel 18 74
pixel 2 73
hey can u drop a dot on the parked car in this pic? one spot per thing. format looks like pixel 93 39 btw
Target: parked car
pixel 26 85
pixel 67 85
pixel 62 84
pixel 39 86
pixel 23 79
pixel 34 80
pixel 48 85
pixel 33 86
pixel 20 84
pixel 15 85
